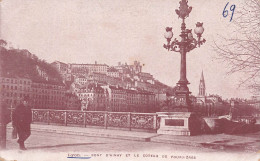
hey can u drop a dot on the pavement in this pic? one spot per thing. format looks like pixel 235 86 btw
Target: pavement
pixel 218 142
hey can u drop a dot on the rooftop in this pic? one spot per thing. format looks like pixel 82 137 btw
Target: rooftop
pixel 91 64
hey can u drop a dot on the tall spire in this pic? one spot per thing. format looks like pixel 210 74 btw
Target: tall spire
pixel 202 77
pixel 202 88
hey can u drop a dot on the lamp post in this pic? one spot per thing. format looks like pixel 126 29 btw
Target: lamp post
pixel 186 44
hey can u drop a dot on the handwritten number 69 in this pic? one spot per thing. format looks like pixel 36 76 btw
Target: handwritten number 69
pixel 225 12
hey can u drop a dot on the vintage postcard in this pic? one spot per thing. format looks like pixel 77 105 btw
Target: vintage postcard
pixel 168 80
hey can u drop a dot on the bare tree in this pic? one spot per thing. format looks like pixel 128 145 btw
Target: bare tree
pixel 242 51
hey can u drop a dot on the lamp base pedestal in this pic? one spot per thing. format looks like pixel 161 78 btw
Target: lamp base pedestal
pixel 174 123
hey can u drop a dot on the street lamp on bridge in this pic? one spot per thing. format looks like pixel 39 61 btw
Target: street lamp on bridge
pixel 186 44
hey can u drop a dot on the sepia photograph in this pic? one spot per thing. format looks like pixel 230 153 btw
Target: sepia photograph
pixel 120 80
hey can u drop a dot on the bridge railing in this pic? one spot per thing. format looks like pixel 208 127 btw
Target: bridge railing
pixel 126 120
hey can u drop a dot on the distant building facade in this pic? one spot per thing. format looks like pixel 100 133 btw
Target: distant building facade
pixel 14 89
pixel 60 66
pixel 93 98
pixel 116 98
pixel 42 95
pixel 90 68
pixel 113 72
pixel 47 96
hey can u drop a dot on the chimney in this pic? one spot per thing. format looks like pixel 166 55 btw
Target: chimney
pixel 119 63
pixel 95 62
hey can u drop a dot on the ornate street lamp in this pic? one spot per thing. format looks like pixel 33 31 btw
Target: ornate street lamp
pixel 187 43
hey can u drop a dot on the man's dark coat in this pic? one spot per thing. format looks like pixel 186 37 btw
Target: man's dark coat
pixel 22 118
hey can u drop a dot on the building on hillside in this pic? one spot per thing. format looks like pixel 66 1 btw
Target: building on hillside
pixel 116 98
pixel 115 81
pixel 82 80
pixel 140 101
pixel 146 77
pixel 93 98
pixel 99 77
pixel 74 87
pixel 68 77
pixel 136 67
pixel 64 70
pixel 79 71
pixel 133 100
pixel 60 66
pixel 42 95
pixel 14 89
pixel 90 68
pixel 129 70
pixel 120 67
pixel 113 72
pixel 124 70
pixel 128 83
pixel 47 96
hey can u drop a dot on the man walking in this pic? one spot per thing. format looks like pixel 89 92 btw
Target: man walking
pixel 22 118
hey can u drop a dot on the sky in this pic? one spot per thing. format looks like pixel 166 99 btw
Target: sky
pixel 112 31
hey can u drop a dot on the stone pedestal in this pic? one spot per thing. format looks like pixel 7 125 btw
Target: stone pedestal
pixel 174 123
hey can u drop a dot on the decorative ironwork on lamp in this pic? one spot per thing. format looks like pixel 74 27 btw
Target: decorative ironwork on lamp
pixel 186 44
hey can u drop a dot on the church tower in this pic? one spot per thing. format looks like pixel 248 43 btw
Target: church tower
pixel 202 88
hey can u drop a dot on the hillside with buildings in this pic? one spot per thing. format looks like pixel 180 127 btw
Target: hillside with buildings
pixel 23 74
pixel 22 64
pixel 122 87
pixel 58 85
